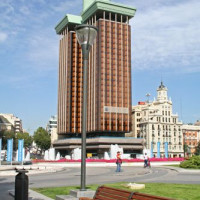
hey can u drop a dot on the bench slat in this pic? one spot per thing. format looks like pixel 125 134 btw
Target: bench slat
pixel 107 193
pixel 110 196
pixel 142 196
pixel 114 192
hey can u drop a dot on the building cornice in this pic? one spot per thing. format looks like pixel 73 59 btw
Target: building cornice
pixel 107 6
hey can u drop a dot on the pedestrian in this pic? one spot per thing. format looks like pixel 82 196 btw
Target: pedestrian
pixel 118 155
pixel 119 163
pixel 145 160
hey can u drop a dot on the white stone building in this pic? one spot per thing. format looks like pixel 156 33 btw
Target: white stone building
pixel 52 128
pixel 160 128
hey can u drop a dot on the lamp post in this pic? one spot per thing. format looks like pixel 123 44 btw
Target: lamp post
pixel 86 35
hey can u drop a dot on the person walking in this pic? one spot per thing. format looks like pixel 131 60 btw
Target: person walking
pixel 118 162
pixel 145 160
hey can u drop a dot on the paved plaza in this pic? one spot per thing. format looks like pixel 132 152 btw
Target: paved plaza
pixel 55 175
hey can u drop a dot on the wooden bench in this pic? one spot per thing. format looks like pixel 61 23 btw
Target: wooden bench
pixel 108 193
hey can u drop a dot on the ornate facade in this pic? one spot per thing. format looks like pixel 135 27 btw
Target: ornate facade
pixel 160 128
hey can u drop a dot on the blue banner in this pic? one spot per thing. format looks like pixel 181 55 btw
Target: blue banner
pixel 9 149
pixel 0 147
pixel 166 149
pixel 151 149
pixel 158 149
pixel 20 150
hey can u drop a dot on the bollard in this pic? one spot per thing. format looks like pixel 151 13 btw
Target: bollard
pixel 21 185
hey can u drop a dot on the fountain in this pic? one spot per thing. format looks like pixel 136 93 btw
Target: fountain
pixel 46 155
pixel 58 156
pixel 106 156
pixel 51 154
pixel 113 151
pixel 27 158
pixel 76 155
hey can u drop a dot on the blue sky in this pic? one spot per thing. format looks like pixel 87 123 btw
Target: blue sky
pixel 165 46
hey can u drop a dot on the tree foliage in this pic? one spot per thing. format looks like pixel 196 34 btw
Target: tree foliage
pixel 27 139
pixel 186 149
pixel 197 149
pixel 5 135
pixel 42 139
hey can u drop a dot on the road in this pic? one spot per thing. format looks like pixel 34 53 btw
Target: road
pixel 101 175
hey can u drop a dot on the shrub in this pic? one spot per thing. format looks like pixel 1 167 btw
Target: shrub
pixel 192 163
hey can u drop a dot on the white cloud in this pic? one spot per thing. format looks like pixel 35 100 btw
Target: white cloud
pixel 3 37
pixel 25 10
pixel 68 6
pixel 43 50
pixel 167 37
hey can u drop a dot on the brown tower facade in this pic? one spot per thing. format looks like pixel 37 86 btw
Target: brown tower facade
pixel 109 75
pixel 109 79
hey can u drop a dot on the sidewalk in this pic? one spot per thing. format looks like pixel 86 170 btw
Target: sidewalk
pixel 182 170
pixel 10 170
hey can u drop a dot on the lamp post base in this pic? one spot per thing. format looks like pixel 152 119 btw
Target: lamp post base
pixel 85 193
pixel 76 194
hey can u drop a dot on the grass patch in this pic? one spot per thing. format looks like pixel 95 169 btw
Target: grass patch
pixel 176 191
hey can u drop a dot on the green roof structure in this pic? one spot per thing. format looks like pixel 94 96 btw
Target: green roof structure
pixel 91 7
pixel 68 20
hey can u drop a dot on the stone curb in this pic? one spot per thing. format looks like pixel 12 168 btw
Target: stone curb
pixel 32 195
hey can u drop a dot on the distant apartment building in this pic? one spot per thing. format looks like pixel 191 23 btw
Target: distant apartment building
pixel 158 126
pixel 191 137
pixel 5 124
pixel 14 121
pixel 52 128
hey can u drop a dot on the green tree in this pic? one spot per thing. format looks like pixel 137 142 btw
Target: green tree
pixel 5 135
pixel 27 139
pixel 197 149
pixel 42 139
pixel 185 147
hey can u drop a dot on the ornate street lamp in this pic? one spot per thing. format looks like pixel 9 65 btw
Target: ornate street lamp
pixel 86 35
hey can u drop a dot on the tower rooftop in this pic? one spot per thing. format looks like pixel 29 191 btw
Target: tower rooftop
pixel 102 5
pixel 97 7
pixel 161 86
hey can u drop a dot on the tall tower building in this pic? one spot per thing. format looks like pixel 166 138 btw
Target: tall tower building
pixel 109 72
